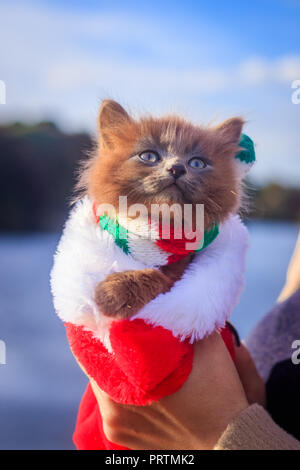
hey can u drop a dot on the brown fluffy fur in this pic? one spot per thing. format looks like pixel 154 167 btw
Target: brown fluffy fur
pixel 112 172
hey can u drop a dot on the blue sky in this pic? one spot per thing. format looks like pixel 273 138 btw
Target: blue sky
pixel 207 60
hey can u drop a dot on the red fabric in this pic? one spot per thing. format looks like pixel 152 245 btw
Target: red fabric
pixel 97 218
pixel 176 246
pixel 228 340
pixel 88 434
pixel 148 363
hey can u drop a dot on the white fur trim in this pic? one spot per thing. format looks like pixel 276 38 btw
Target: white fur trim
pixel 204 297
pixel 196 305
pixel 242 168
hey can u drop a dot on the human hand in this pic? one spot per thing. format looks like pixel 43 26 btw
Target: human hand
pixel 192 418
pixel 292 283
pixel 253 384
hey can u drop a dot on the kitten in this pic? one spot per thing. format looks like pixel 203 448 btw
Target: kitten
pixel 188 164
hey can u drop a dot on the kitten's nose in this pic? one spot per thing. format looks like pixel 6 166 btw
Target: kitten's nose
pixel 177 170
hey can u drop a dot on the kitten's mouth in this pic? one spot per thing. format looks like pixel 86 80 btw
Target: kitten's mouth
pixel 169 191
pixel 174 186
pixel 174 190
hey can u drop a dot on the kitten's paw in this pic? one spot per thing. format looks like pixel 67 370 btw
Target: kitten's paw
pixel 114 298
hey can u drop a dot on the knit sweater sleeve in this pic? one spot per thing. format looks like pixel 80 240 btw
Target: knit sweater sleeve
pixel 254 429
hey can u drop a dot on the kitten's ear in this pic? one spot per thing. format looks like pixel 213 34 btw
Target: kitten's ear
pixel 110 119
pixel 231 130
pixel 235 144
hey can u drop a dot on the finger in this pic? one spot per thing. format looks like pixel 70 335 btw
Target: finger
pixel 252 382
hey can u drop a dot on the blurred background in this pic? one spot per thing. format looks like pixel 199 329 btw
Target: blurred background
pixel 58 59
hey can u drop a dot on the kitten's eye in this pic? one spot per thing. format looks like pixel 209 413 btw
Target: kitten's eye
pixel 197 163
pixel 149 157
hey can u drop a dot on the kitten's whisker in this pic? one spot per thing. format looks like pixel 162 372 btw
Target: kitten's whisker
pixel 213 202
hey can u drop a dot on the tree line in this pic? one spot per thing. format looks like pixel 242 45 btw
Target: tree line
pixel 38 165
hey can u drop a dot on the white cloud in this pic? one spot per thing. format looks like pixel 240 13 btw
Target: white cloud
pixel 59 64
pixel 287 69
pixel 253 71
pixel 257 71
pixel 46 52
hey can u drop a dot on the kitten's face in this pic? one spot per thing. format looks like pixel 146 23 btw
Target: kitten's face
pixel 165 160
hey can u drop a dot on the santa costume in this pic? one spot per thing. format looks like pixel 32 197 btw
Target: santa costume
pixel 141 359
